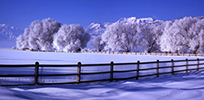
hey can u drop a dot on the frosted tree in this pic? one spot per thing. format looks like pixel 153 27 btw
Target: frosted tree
pixel 122 36
pixel 22 43
pixel 22 40
pixel 70 38
pixel 34 35
pixel 40 35
pixel 196 40
pixel 151 34
pixel 165 39
pixel 176 35
pixel 97 43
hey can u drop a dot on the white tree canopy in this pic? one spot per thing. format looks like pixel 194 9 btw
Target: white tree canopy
pixel 179 36
pixel 122 36
pixel 39 36
pixel 151 34
pixel 70 38
pixel 184 35
pixel 196 40
pixel 97 43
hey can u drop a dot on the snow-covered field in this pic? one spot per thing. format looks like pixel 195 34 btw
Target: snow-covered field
pixel 186 86
pixel 27 57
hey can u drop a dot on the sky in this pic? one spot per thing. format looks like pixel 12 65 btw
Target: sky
pixel 20 13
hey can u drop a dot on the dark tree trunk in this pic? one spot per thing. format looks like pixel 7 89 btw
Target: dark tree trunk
pixel 148 51
pixel 127 50
pixel 79 50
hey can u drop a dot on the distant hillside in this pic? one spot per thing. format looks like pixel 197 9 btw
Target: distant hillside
pixel 96 29
pixel 8 35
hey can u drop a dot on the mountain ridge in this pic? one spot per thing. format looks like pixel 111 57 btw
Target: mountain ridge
pixel 9 32
pixel 8 35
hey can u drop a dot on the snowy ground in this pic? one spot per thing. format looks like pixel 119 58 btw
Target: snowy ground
pixel 185 86
pixel 27 57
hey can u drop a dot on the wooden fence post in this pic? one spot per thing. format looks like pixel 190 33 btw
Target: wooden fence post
pixel 186 65
pixel 79 72
pixel 197 64
pixel 111 71
pixel 138 69
pixel 36 73
pixel 172 67
pixel 157 68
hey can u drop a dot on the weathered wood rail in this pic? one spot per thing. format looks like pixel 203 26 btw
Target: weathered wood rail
pixel 137 70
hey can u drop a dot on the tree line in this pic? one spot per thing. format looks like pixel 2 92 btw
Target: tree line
pixel 184 35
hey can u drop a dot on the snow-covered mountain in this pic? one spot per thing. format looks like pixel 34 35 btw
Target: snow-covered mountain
pixel 9 32
pixel 96 29
pixel 8 35
pixel 135 20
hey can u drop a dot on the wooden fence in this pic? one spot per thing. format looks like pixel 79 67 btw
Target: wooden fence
pixel 136 71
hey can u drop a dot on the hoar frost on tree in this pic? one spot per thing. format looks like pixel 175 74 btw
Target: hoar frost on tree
pixel 97 43
pixel 39 36
pixel 196 40
pixel 22 40
pixel 122 36
pixel 150 37
pixel 183 35
pixel 165 39
pixel 70 38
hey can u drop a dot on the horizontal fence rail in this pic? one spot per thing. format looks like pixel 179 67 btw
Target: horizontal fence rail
pixel 137 71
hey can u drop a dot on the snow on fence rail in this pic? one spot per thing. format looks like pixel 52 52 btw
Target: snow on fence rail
pixel 136 70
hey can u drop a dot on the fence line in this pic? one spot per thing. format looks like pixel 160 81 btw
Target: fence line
pixel 112 65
